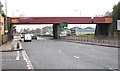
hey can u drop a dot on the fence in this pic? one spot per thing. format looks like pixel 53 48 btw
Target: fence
pixel 3 39
pixel 101 40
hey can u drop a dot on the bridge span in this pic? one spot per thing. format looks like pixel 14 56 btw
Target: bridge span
pixel 56 20
pixel 102 27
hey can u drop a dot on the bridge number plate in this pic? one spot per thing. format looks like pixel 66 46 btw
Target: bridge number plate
pixel 118 25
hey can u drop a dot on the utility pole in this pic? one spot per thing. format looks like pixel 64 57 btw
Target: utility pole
pixel 6 27
pixel 0 14
pixel 79 12
pixel 80 16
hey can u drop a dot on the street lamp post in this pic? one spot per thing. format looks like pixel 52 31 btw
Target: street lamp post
pixel 80 16
pixel 0 14
pixel 79 12
pixel 0 17
pixel 6 27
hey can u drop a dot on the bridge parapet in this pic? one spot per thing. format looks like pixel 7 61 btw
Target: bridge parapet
pixel 102 20
pixel 55 20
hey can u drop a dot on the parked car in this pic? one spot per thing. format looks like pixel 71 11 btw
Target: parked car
pixel 22 35
pixel 34 37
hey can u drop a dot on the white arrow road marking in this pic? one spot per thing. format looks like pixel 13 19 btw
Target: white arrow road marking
pixel 76 57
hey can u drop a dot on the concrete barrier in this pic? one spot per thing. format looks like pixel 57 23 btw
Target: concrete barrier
pixel 0 40
pixel 3 39
pixel 109 41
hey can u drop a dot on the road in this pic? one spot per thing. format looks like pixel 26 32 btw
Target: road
pixel 54 54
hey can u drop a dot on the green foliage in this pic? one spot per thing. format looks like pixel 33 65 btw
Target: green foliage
pixel 14 28
pixel 116 12
pixel 44 31
pixel 61 28
pixel 115 16
pixel 108 14
pixel 86 35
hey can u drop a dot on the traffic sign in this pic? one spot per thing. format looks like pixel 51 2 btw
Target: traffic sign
pixel 118 25
pixel 63 26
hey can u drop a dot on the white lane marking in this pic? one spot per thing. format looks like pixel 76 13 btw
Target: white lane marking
pixel 26 58
pixel 111 68
pixel 18 55
pixel 76 57
pixel 18 52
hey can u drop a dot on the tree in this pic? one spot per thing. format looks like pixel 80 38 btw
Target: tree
pixel 27 30
pixel 115 16
pixel 14 28
pixel 108 14
pixel 33 31
pixel 38 30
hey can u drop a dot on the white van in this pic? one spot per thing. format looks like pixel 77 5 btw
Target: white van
pixel 27 37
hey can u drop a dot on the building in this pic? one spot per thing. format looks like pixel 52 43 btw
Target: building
pixel 48 30
pixel 78 31
pixel 1 20
pixel 74 30
pixel 2 26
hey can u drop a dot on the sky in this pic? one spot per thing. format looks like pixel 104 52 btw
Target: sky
pixel 57 8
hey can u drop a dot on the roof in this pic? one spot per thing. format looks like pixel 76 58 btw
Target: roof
pixel 73 28
pixel 89 28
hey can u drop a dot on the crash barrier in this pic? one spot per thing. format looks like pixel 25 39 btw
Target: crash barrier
pixel 101 40
pixel 3 39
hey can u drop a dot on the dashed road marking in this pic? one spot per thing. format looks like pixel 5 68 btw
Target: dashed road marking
pixel 77 57
pixel 111 68
pixel 26 58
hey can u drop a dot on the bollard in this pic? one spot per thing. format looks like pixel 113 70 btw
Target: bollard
pixel 18 52
pixel 18 46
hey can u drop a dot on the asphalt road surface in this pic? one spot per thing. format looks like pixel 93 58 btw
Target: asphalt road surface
pixel 54 54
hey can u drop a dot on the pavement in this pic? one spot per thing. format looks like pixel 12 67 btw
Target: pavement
pixel 9 57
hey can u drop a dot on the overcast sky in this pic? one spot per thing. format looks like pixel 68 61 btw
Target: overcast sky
pixel 58 8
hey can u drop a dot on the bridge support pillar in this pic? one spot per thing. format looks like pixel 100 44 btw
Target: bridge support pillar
pixel 102 30
pixel 11 32
pixel 56 31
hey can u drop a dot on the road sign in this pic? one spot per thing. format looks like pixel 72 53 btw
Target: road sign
pixel 118 25
pixel 63 26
